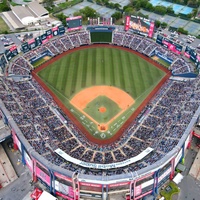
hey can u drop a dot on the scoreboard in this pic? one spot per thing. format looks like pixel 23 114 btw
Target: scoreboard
pixel 74 23
pixel 139 25
pixel 171 45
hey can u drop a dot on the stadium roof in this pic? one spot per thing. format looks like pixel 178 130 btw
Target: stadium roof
pixel 14 21
pixel 21 12
pixel 37 9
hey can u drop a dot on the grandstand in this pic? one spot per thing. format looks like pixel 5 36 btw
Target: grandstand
pixel 136 165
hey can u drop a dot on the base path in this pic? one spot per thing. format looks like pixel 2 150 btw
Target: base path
pixel 73 118
pixel 84 97
pixel 117 95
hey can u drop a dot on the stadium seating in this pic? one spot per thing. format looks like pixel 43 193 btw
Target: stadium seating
pixel 163 120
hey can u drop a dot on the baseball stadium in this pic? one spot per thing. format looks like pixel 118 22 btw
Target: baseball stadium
pixel 100 111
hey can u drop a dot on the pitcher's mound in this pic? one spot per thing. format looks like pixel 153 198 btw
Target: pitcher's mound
pixel 102 109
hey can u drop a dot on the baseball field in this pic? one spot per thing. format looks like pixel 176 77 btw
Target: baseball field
pixel 100 86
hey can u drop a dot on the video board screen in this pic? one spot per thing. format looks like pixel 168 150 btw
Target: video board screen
pixel 31 44
pixel 10 53
pixel 25 47
pixel 176 48
pixel 139 25
pixel 38 41
pixel 192 55
pixel 49 34
pixel 55 31
pixel 61 29
pixel 14 50
pixel 74 23
pixel 44 38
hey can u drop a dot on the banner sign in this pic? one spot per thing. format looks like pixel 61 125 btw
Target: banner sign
pixel 104 166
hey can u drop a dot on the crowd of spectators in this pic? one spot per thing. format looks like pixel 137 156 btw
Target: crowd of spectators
pixel 149 48
pixel 160 125
pixel 138 43
pixel 180 66
pixel 21 65
pixel 165 120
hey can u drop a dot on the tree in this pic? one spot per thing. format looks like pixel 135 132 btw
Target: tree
pixel 194 12
pixel 160 9
pixel 117 15
pixel 77 13
pixel 87 12
pixel 182 30
pixel 157 24
pixel 48 3
pixel 170 10
pixel 117 6
pixel 105 2
pixel 143 3
pixel 62 18
pixel 164 25
pixel 137 5
pixel 149 6
pixel 129 10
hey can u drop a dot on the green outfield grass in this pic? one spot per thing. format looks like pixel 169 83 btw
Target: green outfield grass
pixel 101 66
pixel 93 107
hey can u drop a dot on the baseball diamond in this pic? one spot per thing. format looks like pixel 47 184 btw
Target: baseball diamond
pixel 94 98
pixel 91 77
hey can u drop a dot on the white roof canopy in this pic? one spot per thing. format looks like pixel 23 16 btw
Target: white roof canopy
pixel 45 195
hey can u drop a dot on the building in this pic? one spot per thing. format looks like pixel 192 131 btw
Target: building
pixel 25 15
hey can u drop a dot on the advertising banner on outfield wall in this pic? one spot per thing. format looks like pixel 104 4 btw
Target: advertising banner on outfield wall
pixel 140 156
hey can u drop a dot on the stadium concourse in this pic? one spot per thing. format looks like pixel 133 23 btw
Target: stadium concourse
pixel 162 131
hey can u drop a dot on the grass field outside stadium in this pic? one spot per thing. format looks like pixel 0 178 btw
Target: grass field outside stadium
pixel 112 70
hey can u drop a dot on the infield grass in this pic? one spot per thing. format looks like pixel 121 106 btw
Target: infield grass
pixel 101 66
pixel 94 109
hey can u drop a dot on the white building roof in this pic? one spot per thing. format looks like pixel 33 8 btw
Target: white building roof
pixel 37 9
pixel 21 12
pixel 46 196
